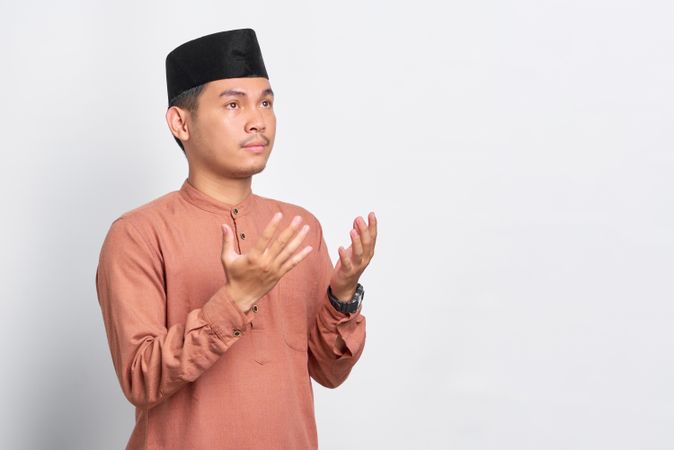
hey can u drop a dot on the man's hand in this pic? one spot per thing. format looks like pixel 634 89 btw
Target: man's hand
pixel 250 276
pixel 353 260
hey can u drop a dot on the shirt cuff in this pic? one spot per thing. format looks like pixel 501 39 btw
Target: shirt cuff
pixel 346 326
pixel 224 317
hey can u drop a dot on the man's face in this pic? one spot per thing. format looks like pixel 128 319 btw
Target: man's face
pixel 232 115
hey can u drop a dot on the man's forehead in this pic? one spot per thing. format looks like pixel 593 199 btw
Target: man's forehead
pixel 240 86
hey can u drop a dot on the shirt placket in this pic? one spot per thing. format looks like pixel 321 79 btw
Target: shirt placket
pixel 245 238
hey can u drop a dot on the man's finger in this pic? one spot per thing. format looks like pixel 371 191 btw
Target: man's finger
pixel 357 246
pixel 373 228
pixel 295 260
pixel 344 258
pixel 282 240
pixel 268 232
pixel 364 232
pixel 227 244
pixel 292 245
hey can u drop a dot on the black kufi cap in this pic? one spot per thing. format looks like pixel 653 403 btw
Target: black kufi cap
pixel 227 54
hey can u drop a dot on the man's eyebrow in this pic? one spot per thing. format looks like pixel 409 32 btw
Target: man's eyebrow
pixel 226 92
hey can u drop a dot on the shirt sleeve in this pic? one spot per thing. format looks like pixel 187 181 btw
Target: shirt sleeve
pixel 336 340
pixel 152 361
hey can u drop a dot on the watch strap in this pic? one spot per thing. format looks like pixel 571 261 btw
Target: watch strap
pixel 350 306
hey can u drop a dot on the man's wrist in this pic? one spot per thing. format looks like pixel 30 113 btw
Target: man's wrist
pixel 343 296
pixel 242 302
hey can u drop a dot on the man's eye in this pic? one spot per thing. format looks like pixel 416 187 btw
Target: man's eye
pixel 231 105
pixel 266 103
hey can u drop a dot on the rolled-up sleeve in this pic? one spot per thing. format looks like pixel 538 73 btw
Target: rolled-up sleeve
pixel 152 361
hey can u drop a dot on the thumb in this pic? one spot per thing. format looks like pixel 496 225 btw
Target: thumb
pixel 227 246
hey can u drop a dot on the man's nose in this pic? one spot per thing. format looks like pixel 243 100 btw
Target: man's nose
pixel 255 122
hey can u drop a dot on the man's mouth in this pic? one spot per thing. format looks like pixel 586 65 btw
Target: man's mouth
pixel 255 147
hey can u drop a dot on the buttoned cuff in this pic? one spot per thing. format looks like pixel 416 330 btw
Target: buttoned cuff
pixel 225 318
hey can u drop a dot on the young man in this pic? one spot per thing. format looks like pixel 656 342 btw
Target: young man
pixel 221 305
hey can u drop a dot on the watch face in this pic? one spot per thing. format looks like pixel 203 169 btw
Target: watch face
pixel 353 306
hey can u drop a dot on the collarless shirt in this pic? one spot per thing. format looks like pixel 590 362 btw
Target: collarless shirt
pixel 201 372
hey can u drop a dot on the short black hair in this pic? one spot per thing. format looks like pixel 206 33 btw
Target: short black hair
pixel 187 100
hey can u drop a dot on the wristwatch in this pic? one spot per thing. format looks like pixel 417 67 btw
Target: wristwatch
pixel 350 306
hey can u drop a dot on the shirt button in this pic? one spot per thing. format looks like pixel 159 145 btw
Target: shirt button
pixel 243 235
pixel 235 210
pixel 255 308
pixel 237 333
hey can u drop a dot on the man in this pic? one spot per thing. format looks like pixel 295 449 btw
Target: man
pixel 221 305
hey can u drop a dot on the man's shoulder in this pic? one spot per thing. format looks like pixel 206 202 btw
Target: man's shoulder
pixel 149 213
pixel 152 208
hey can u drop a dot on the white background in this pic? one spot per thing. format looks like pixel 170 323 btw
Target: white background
pixel 518 154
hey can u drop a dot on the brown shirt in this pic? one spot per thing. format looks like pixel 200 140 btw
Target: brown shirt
pixel 202 373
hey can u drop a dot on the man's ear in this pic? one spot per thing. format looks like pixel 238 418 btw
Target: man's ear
pixel 176 118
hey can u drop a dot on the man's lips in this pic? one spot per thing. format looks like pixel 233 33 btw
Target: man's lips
pixel 255 147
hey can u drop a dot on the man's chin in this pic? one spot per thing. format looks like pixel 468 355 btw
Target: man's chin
pixel 248 172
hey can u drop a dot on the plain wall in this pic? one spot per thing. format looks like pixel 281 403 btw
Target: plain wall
pixel 519 156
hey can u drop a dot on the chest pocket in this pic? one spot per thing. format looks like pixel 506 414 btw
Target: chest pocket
pixel 295 295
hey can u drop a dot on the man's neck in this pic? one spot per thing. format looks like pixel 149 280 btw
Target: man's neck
pixel 226 190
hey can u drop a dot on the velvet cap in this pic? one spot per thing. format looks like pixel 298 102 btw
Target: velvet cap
pixel 226 54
